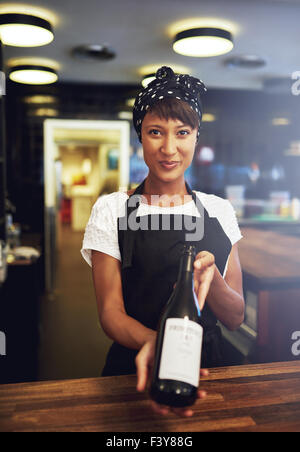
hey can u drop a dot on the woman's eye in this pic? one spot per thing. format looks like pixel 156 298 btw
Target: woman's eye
pixel 184 132
pixel 154 132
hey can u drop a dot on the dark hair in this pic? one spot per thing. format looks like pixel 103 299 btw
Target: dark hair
pixel 172 108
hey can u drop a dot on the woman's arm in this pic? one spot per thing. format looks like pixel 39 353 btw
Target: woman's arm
pixel 112 315
pixel 225 296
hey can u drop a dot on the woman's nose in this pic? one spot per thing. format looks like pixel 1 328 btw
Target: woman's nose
pixel 169 145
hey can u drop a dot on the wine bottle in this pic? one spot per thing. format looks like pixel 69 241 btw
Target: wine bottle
pixel 177 361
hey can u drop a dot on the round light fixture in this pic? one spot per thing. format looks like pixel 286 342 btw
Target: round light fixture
pixel 24 30
pixel 203 42
pixel 147 79
pixel 33 75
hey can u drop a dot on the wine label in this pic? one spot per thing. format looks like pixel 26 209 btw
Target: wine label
pixel 181 351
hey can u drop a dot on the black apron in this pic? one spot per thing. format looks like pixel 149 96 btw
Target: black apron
pixel 150 263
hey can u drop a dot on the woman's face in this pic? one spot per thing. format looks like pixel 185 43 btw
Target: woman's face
pixel 168 146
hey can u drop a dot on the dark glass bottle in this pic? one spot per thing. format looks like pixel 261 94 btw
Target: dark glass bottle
pixel 179 341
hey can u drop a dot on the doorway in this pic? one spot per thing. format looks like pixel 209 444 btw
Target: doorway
pixel 83 159
pixel 111 140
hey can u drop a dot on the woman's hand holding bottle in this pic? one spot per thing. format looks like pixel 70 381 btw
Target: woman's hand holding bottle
pixel 144 365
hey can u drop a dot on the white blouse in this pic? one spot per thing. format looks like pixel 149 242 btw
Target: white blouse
pixel 101 233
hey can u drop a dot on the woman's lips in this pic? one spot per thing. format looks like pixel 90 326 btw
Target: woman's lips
pixel 168 165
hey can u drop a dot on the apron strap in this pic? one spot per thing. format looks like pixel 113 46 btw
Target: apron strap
pixel 203 212
pixel 129 233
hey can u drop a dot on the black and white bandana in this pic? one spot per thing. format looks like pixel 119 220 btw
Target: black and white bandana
pixel 168 84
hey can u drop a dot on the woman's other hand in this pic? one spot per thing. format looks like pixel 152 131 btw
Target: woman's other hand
pixel 144 364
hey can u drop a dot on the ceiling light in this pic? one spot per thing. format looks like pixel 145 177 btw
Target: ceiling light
pixel 45 112
pixel 148 79
pixel 208 117
pixel 24 30
pixel 280 121
pixel 93 52
pixel 203 22
pixel 33 75
pixel 86 166
pixel 130 102
pixel 125 115
pixel 203 42
pixel 40 99
pixel 245 61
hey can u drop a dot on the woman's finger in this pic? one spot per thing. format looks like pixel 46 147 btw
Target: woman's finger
pixel 202 293
pixel 183 412
pixel 159 409
pixel 142 361
pixel 204 259
pixel 204 372
pixel 142 373
pixel 201 394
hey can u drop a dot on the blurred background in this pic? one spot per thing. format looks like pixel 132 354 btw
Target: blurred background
pixel 67 138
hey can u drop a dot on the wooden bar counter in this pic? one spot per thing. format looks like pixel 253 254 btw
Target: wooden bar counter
pixel 271 269
pixel 261 397
pixel 270 258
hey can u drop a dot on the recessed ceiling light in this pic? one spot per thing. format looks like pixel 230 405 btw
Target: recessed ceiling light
pixel 245 61
pixel 40 99
pixel 94 52
pixel 203 42
pixel 280 121
pixel 208 117
pixel 130 102
pixel 125 115
pixel 148 79
pixel 25 30
pixel 44 112
pixel 33 75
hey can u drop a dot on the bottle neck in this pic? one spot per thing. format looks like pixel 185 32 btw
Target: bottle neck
pixel 185 283
pixel 186 268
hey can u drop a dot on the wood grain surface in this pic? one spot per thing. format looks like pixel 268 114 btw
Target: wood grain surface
pixel 261 397
pixel 270 255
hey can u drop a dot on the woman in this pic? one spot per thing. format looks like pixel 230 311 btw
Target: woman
pixel 134 255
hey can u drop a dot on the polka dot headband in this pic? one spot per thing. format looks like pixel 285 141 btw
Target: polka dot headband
pixel 168 84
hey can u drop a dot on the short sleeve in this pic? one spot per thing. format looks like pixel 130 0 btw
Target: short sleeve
pixel 229 222
pixel 101 233
pixel 223 210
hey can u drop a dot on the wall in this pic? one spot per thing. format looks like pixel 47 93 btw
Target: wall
pixel 242 134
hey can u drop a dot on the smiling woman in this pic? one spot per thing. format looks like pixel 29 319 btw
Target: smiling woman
pixel 135 264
